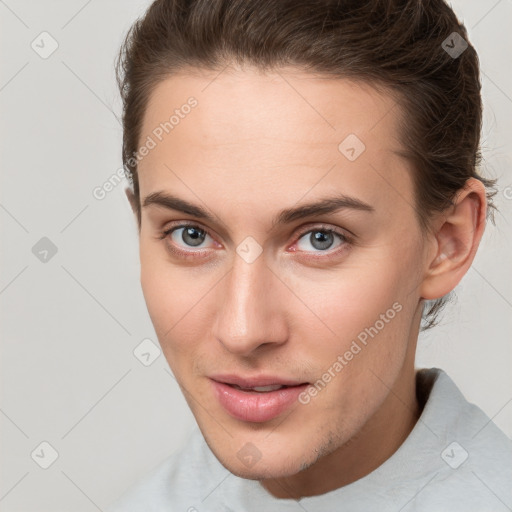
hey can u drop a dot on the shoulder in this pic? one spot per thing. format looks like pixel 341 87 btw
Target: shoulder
pixel 474 470
pixel 172 484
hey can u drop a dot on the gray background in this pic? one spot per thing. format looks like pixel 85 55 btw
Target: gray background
pixel 69 325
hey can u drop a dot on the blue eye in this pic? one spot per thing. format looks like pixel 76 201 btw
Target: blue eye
pixel 186 235
pixel 321 239
pixel 192 236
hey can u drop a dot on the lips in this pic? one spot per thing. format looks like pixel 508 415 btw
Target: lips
pixel 251 382
pixel 259 389
pixel 256 399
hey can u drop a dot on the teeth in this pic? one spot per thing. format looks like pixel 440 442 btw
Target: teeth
pixel 261 389
pixel 268 388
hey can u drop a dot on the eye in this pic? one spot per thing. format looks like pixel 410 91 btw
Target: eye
pixel 184 237
pixel 321 239
pixel 191 236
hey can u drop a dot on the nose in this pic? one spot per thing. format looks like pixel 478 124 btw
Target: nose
pixel 250 312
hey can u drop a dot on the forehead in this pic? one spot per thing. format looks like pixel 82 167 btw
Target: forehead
pixel 258 132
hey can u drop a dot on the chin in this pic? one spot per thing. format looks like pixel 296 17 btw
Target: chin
pixel 278 462
pixel 262 470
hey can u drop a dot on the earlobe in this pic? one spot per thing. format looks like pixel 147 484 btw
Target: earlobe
pixel 132 200
pixel 457 240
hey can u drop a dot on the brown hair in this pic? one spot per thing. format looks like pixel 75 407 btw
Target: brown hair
pixel 395 45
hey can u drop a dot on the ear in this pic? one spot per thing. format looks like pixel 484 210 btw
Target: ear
pixel 134 205
pixel 131 198
pixel 457 236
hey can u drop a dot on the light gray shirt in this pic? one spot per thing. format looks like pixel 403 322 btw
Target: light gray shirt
pixel 454 459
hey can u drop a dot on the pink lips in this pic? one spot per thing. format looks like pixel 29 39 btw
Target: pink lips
pixel 255 406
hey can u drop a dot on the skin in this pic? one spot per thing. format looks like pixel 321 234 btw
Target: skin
pixel 254 145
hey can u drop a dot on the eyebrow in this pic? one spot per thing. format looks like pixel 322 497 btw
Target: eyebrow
pixel 319 207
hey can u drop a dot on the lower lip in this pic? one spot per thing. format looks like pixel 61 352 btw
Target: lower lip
pixel 253 406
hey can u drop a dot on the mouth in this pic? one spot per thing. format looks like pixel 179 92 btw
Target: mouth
pixel 256 400
pixel 260 389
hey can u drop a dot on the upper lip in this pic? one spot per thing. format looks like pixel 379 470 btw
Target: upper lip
pixel 251 382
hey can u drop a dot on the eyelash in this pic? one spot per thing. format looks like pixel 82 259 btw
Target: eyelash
pixel 347 240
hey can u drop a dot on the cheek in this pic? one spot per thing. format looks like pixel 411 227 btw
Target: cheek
pixel 176 299
pixel 164 291
pixel 153 279
pixel 367 308
pixel 355 297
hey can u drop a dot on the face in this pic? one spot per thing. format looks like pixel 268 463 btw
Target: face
pixel 252 287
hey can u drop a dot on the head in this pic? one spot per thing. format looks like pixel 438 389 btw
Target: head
pixel 305 183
